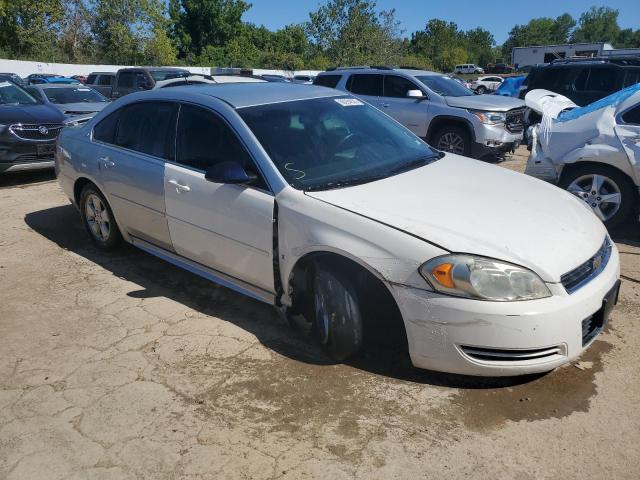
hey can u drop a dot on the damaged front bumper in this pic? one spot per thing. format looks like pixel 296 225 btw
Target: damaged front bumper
pixel 474 337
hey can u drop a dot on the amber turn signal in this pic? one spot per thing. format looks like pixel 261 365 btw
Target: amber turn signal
pixel 442 273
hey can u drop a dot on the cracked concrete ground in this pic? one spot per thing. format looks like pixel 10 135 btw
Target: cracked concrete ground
pixel 120 366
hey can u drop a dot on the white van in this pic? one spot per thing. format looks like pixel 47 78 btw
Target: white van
pixel 467 68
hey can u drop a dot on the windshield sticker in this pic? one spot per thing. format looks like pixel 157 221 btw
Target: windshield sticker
pixel 84 89
pixel 348 102
pixel 5 84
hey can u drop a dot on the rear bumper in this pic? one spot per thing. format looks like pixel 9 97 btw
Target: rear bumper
pixel 462 336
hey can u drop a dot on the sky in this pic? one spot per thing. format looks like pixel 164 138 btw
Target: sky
pixel 498 16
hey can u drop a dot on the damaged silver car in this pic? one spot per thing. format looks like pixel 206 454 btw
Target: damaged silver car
pixel 592 151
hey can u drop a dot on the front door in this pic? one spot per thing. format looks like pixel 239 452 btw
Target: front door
pixel 228 228
pixel 411 112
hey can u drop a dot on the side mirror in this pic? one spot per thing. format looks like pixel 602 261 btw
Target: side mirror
pixel 417 94
pixel 229 172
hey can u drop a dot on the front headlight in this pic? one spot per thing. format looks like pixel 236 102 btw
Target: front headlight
pixel 490 118
pixel 483 278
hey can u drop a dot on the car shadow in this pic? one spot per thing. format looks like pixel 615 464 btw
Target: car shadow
pixel 629 233
pixel 158 278
pixel 16 179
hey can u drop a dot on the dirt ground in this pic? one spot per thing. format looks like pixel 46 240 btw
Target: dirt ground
pixel 121 366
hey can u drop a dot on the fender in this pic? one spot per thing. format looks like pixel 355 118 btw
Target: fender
pixel 599 153
pixel 436 121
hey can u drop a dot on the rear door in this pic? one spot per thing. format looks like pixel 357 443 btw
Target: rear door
pixel 228 228
pixel 367 86
pixel 410 112
pixel 135 141
pixel 124 83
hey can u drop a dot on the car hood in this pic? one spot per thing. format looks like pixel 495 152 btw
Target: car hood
pixel 40 113
pixel 467 206
pixel 493 103
pixel 83 107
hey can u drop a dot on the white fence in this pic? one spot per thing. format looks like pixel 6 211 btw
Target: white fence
pixel 24 68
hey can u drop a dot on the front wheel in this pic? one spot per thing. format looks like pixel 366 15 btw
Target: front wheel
pixel 98 218
pixel 453 139
pixel 607 191
pixel 481 90
pixel 337 316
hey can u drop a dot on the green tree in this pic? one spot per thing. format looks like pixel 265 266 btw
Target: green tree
pixel 539 31
pixel 479 45
pixel 350 32
pixel 598 24
pixel 628 38
pixel 29 29
pixel 197 25
pixel 439 43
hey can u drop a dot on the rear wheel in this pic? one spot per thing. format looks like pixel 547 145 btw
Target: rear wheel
pixel 337 323
pixel 453 139
pixel 607 191
pixel 98 218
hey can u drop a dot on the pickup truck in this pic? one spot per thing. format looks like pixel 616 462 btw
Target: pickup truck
pixel 130 80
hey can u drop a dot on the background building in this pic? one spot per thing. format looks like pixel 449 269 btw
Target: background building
pixel 522 56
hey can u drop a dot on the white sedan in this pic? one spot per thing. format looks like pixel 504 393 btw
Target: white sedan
pixel 311 200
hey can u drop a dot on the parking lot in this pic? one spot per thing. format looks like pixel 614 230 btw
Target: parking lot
pixel 119 366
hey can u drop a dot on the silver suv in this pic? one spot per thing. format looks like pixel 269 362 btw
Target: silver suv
pixel 437 108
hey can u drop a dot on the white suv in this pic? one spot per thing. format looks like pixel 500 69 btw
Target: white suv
pixel 467 68
pixel 486 84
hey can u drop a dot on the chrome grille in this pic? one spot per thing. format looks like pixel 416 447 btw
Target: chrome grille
pixel 584 273
pixel 512 355
pixel 515 120
pixel 36 132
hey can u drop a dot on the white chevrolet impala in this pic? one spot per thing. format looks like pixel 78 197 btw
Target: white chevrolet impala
pixel 311 200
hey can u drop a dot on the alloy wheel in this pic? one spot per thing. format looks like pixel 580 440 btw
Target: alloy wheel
pixel 600 192
pixel 97 217
pixel 451 142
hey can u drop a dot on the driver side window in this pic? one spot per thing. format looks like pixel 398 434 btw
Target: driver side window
pixel 203 140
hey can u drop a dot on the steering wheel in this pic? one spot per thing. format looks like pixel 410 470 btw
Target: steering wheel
pixel 345 141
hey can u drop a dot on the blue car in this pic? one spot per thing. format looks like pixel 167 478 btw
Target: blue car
pixel 40 78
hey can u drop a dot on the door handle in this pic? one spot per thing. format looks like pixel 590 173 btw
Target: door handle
pixel 106 162
pixel 179 187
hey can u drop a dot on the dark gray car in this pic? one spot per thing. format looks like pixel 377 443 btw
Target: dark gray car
pixel 77 102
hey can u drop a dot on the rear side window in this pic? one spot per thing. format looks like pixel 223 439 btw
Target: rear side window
pixel 125 79
pixel 147 127
pixel 606 80
pixel 397 87
pixel 105 130
pixel 91 79
pixel 105 80
pixel 327 80
pixel 204 140
pixel 365 84
pixel 632 77
pixel 632 116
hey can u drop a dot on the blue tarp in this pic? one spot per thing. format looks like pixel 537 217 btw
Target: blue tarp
pixel 612 100
pixel 510 87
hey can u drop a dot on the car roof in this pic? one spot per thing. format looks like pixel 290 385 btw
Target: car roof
pixel 240 95
pixel 51 86
pixel 381 71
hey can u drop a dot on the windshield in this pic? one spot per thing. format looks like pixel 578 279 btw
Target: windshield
pixel 10 94
pixel 73 95
pixel 445 86
pixel 327 143
pixel 159 75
